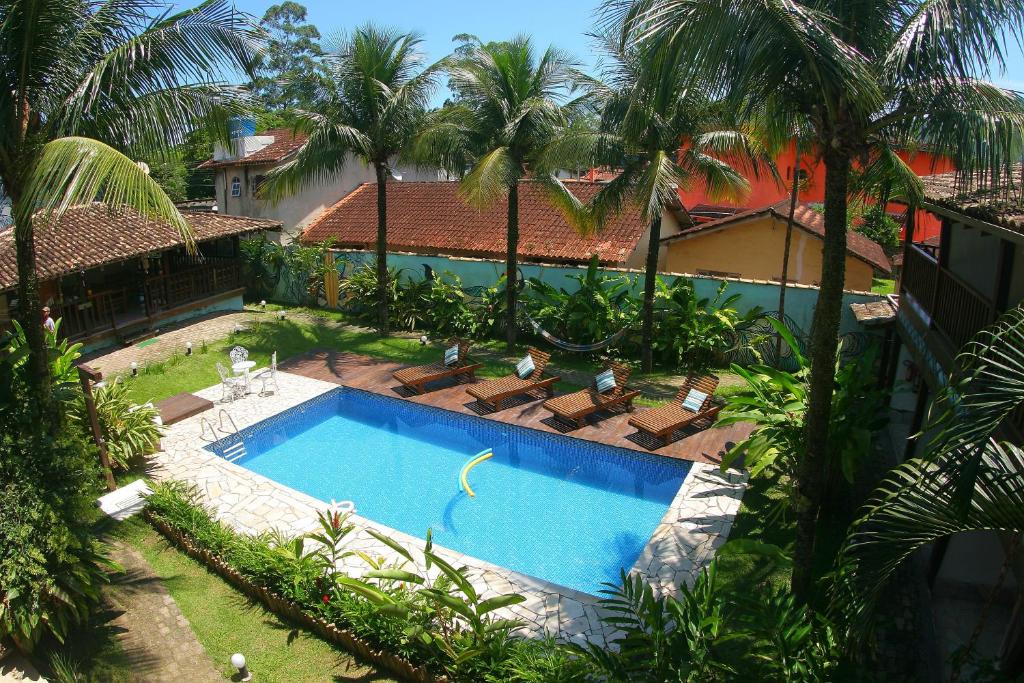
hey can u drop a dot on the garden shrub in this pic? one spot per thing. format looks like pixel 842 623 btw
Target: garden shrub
pixel 51 568
pixel 262 266
pixel 694 334
pixel 129 429
pixel 600 307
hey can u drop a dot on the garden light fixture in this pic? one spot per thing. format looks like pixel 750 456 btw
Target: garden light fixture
pixel 423 340
pixel 188 348
pixel 238 661
pixel 135 369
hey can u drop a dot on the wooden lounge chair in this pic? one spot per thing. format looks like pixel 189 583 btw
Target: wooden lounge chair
pixel 575 407
pixel 416 378
pixel 492 392
pixel 662 422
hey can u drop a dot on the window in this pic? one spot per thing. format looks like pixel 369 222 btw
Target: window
pixel 236 187
pixel 256 183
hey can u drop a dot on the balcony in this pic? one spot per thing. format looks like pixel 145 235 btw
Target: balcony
pixel 118 308
pixel 956 309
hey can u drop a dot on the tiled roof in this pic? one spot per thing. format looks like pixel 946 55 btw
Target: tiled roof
pixel 432 217
pixel 875 312
pixel 286 142
pixel 94 235
pixel 804 218
pixel 998 201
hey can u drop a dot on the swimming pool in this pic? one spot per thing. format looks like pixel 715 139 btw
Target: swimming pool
pixel 569 511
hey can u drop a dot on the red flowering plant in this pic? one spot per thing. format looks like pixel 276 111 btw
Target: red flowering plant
pixel 330 549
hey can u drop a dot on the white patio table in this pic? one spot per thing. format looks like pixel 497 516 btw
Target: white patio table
pixel 241 367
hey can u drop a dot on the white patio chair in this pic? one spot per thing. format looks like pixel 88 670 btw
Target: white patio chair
pixel 238 354
pixel 268 376
pixel 231 387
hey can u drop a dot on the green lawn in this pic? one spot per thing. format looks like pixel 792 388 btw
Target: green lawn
pixel 225 621
pixel 883 286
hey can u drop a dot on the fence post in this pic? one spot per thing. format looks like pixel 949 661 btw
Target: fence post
pixel 87 376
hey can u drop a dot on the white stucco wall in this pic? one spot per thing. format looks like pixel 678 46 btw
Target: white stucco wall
pixel 297 211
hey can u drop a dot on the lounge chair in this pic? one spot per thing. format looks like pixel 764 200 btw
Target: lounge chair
pixel 416 378
pixel 575 407
pixel 492 392
pixel 663 421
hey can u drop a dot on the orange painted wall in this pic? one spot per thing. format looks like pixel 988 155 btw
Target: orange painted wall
pixel 765 190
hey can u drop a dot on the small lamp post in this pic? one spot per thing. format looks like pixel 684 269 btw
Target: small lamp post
pixel 280 315
pixel 188 348
pixel 423 340
pixel 135 369
pixel 238 328
pixel 238 661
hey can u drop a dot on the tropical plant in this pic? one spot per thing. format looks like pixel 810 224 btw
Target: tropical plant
pixel 878 226
pixel 600 306
pixel 490 311
pixel 262 265
pixel 506 120
pixel 694 334
pixel 369 108
pixel 776 403
pixel 446 307
pixel 646 109
pixel 51 567
pixel 80 83
pixel 967 480
pixel 361 293
pixel 129 430
pixel 303 268
pixel 867 78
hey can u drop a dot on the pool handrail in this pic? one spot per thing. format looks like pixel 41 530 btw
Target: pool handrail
pixel 474 461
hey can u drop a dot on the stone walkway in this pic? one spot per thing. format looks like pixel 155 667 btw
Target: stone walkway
pixel 156 637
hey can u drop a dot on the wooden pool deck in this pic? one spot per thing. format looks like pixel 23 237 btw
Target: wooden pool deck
pixel 701 443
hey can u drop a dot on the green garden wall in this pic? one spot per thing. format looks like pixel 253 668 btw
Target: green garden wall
pixel 800 299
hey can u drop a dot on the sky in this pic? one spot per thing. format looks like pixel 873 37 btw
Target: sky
pixel 562 23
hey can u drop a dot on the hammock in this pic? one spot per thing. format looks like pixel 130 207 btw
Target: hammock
pixel 569 346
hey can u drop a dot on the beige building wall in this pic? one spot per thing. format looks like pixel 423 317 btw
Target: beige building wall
pixel 753 249
pixel 638 259
pixel 300 209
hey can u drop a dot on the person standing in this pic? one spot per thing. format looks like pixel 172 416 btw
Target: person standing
pixel 48 323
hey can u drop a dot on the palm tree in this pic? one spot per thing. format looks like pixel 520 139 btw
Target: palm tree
pixel 81 80
pixel 866 77
pixel 507 116
pixel 646 110
pixel 370 107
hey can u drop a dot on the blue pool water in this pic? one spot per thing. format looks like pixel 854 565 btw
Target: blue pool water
pixel 566 510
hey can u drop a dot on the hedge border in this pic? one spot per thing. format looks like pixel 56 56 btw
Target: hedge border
pixel 286 609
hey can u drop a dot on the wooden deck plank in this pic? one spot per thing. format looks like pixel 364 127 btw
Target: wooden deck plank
pixel 181 406
pixel 700 443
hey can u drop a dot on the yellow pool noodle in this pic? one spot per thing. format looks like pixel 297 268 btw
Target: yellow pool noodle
pixel 470 465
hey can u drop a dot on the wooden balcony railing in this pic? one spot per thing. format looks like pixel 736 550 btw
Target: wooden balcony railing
pixel 956 308
pixel 103 311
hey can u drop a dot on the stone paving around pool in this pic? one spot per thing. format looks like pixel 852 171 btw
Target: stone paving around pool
pixel 697 522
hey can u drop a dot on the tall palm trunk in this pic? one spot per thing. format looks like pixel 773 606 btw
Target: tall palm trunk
pixel 511 266
pixel 29 315
pixel 650 280
pixel 785 252
pixel 811 472
pixel 383 285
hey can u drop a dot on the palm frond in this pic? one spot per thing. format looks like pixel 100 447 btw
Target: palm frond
pixel 490 178
pixel 73 171
pixel 324 154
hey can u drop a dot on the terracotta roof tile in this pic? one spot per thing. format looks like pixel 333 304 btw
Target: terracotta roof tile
pixel 805 218
pixel 286 142
pixel 997 201
pixel 432 217
pixel 94 235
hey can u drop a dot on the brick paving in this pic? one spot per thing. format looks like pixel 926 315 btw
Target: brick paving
pixel 156 637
